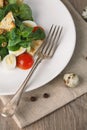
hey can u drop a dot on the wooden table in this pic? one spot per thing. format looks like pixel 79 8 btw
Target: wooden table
pixel 73 116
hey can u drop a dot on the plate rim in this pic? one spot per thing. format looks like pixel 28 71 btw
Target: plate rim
pixel 72 50
pixel 30 89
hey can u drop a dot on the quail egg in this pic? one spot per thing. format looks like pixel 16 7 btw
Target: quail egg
pixel 71 80
pixel 84 13
pixel 9 61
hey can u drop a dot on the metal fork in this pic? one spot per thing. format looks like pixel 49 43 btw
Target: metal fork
pixel 47 50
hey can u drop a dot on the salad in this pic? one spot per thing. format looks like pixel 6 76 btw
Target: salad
pixel 20 36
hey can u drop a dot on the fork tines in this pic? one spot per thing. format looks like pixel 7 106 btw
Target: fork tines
pixel 52 38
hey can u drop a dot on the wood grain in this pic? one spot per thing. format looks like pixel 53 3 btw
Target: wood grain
pixel 79 5
pixel 73 116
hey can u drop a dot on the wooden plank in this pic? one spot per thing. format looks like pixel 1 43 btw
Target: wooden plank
pixel 71 117
pixel 79 5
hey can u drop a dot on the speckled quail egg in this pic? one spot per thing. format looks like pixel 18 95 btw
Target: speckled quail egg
pixel 71 80
pixel 84 13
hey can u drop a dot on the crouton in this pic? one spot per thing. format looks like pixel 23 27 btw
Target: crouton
pixel 20 1
pixel 1 3
pixel 6 2
pixel 35 46
pixel 2 31
pixel 7 22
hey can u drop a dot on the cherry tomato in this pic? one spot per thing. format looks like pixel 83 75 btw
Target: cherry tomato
pixel 37 27
pixel 25 61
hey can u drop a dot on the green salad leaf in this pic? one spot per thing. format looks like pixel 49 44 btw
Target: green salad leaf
pixel 21 35
pixel 3 52
pixel 25 31
pixel 14 8
pixel 18 37
pixel 12 1
pixel 37 35
pixel 3 49
pixel 13 40
pixel 2 14
pixel 15 1
pixel 2 40
pixel 25 44
pixel 25 12
pixel 13 48
pixel 22 11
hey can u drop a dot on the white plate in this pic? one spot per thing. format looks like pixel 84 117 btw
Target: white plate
pixel 45 13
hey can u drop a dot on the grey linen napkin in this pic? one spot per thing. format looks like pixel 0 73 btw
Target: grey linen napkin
pixel 31 111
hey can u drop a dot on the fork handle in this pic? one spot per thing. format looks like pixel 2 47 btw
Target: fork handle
pixel 23 85
pixel 11 106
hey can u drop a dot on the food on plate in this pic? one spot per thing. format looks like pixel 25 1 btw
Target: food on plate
pixel 7 23
pixel 19 33
pixel 36 43
pixel 18 52
pixel 25 61
pixel 71 80
pixel 9 61
pixel 30 23
pixel 1 3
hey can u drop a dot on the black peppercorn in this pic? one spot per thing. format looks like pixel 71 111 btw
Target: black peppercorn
pixel 46 95
pixel 33 98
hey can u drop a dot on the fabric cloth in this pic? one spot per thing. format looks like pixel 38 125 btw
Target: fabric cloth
pixel 58 94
